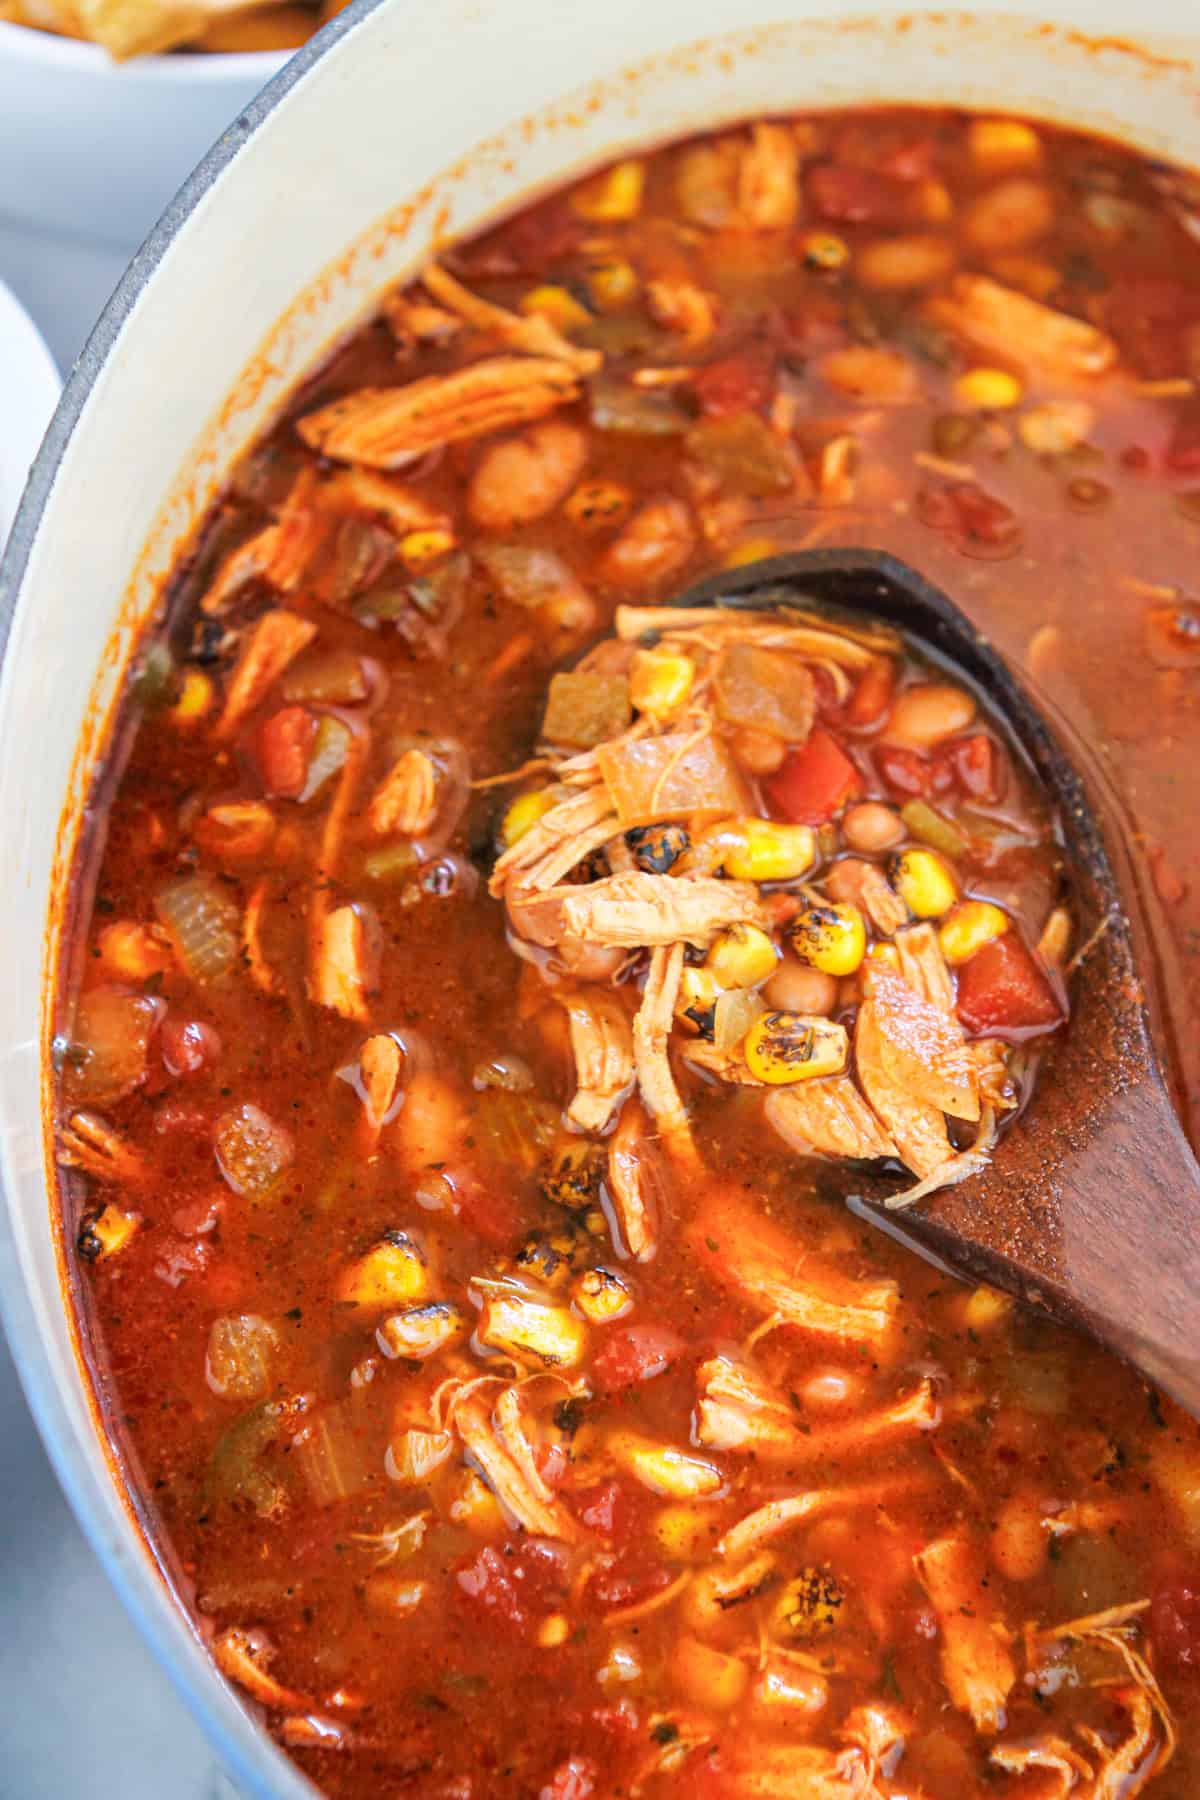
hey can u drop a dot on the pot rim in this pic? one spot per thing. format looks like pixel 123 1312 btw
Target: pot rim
pixel 241 1745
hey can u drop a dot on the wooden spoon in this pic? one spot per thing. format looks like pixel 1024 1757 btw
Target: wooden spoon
pixel 1090 1209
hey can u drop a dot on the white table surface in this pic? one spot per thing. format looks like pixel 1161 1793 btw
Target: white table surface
pixel 88 1714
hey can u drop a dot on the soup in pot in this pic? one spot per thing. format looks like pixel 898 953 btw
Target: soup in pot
pixel 490 981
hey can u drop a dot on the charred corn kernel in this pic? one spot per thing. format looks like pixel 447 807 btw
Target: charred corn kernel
pixel 985 1308
pixel 676 1474
pixel 924 883
pixel 830 938
pixel 134 952
pixel 102 1234
pixel 995 144
pixel 421 1331
pixel 684 1533
pixel 612 284
pixel 393 1273
pixel 809 1605
pixel 196 696
pixel 612 196
pixel 596 504
pixel 524 814
pixel 741 957
pixel 762 850
pixel 476 1508
pixel 419 548
pixel 532 1331
pixel 749 551
pixel 885 953
pixel 824 250
pixel 601 1296
pixel 558 305
pixel 660 682
pixel 708 1678
pixel 414 1456
pixel 1055 940
pixel 698 995
pixel 987 390
pixel 553 1631
pixel 969 927
pixel 784 1047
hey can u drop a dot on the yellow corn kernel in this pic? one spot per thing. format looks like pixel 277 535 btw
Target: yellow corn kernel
pixel 1003 144
pixel 824 250
pixel 676 1474
pixel 392 1273
pixel 612 284
pixel 530 1330
pixel 553 1631
pixel 684 1533
pixel 420 548
pixel 601 1296
pixel 924 883
pixel 698 993
pixel 524 814
pixel 1055 940
pixel 708 1678
pixel 987 390
pixel 660 682
pixel 985 1308
pixel 595 505
pixel 421 1331
pixel 750 550
pixel 741 957
pixel 134 952
pixel 969 927
pixel 196 696
pixel 556 304
pixel 784 1047
pixel 830 938
pixel 612 196
pixel 762 850
pixel 476 1508
pixel 103 1234
pixel 885 953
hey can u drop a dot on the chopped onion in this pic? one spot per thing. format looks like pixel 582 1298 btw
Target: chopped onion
pixel 109 1046
pixel 332 1455
pixel 252 1150
pixel 414 1456
pixel 241 1349
pixel 204 922
pixel 331 746
pixel 733 1015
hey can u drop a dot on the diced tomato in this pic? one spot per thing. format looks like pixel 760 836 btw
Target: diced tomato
pixel 1175 1624
pixel 735 384
pixel 704 1777
pixel 491 1212
pixel 604 1509
pixel 912 159
pixel 188 1045
pixel 979 766
pixel 573 1780
pixel 815 782
pixel 620 1722
pixel 873 694
pixel 1002 990
pixel 903 772
pixel 489 1583
pixel 850 195
pixel 285 742
pixel 976 522
pixel 630 1580
pixel 633 1353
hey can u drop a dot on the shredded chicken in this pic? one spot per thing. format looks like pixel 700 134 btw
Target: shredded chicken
pixel 684 308
pixel 636 1181
pixel 804 634
pixel 880 1730
pixel 1052 1755
pixel 827 1118
pixel 406 800
pixel 651 1031
pixel 273 642
pixel 776 1517
pixel 924 968
pixel 639 910
pixel 774 1771
pixel 738 1411
pixel 534 334
pixel 916 1126
pixel 385 428
pixel 380 1065
pixel 489 1438
pixel 89 1142
pixel 922 1048
pixel 559 840
pixel 977 1663
pixel 343 973
pixel 402 508
pixel 768 181
pixel 245 1657
pixel 602 1045
pixel 1008 323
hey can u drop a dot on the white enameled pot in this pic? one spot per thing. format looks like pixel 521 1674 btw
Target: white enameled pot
pixel 406 115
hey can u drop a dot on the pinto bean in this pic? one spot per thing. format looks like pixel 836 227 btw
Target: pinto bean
pixel 899 263
pixel 1009 216
pixel 523 478
pixel 927 714
pixel 795 988
pixel 871 827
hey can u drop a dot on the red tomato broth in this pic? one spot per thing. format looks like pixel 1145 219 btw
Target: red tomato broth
pixel 280 1507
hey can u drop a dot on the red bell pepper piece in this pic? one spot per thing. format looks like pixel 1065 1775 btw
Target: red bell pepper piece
pixel 815 782
pixel 633 1353
pixel 285 742
pixel 735 384
pixel 1002 991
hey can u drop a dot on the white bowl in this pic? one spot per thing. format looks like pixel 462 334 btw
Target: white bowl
pixel 400 119
pixel 30 385
pixel 95 149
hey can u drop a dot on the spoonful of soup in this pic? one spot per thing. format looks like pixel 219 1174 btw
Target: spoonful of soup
pixel 817 823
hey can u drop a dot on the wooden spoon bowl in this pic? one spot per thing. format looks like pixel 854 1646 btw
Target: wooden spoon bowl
pixel 1090 1209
